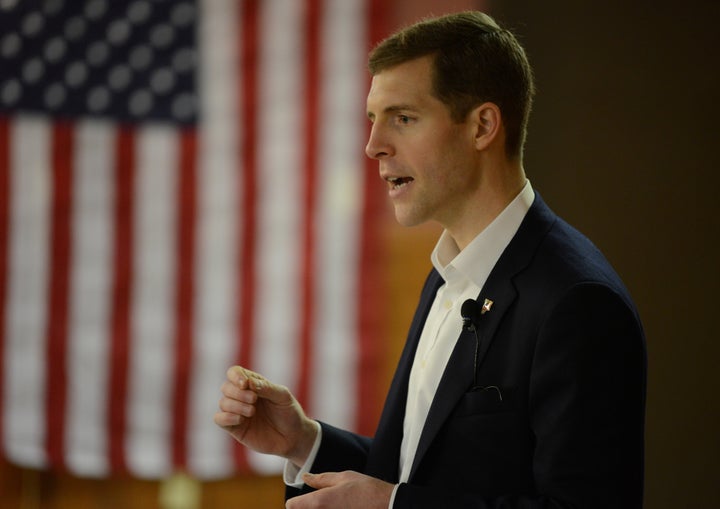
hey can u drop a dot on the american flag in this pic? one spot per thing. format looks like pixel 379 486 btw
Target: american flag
pixel 182 188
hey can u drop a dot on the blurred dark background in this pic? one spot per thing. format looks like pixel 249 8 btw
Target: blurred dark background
pixel 623 144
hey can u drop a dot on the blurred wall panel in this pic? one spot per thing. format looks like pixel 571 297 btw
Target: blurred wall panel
pixel 623 144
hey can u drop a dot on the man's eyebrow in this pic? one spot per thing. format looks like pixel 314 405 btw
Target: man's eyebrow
pixel 394 109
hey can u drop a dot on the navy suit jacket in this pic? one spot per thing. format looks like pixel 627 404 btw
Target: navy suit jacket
pixel 565 349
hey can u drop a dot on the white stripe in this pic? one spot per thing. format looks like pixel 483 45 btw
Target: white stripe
pixel 25 347
pixel 334 372
pixel 89 326
pixel 153 304
pixel 280 171
pixel 209 450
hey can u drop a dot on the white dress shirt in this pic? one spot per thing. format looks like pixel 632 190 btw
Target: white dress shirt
pixel 464 273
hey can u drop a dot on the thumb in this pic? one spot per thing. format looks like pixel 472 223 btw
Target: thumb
pixel 319 481
pixel 265 389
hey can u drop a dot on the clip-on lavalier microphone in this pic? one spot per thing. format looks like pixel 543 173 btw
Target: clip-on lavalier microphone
pixel 471 311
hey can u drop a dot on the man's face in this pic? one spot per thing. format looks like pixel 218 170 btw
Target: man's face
pixel 427 159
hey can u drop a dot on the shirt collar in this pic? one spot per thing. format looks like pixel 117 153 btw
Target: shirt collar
pixel 475 262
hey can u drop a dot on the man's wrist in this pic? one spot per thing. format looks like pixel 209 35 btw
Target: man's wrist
pixel 293 472
pixel 309 443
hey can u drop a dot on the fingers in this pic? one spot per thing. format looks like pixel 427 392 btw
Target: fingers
pixel 227 420
pixel 238 399
pixel 330 479
pixel 242 379
pixel 233 413
pixel 233 391
pixel 241 391
pixel 238 402
pixel 315 499
pixel 246 379
pixel 343 489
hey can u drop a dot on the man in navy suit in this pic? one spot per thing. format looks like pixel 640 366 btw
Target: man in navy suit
pixel 522 381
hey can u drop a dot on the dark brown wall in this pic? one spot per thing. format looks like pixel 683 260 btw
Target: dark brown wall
pixel 624 144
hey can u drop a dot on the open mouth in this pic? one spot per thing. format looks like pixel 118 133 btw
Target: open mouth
pixel 398 182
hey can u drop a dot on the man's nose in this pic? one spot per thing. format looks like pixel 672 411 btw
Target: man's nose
pixel 377 146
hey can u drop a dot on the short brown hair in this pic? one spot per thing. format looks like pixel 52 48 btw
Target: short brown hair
pixel 476 61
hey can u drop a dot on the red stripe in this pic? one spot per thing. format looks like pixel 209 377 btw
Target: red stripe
pixel 58 291
pixel 187 208
pixel 121 294
pixel 248 94
pixel 370 300
pixel 4 232
pixel 313 13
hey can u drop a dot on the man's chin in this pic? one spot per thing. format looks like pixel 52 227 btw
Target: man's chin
pixel 408 218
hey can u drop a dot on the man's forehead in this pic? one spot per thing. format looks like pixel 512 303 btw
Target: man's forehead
pixel 406 83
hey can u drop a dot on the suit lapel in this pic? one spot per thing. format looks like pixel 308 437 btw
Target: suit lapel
pixel 384 456
pixel 457 378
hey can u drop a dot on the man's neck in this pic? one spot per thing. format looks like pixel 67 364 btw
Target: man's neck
pixel 493 196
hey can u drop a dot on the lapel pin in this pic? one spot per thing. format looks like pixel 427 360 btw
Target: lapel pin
pixel 486 306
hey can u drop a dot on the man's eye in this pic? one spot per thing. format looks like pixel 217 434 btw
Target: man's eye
pixel 403 119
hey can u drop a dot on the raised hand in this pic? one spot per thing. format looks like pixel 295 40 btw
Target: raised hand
pixel 264 416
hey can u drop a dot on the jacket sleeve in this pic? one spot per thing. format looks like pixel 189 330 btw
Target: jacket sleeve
pixel 586 411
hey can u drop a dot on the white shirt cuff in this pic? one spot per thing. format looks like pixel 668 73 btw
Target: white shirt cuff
pixel 392 497
pixel 292 474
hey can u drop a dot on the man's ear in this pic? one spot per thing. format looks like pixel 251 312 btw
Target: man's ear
pixel 487 122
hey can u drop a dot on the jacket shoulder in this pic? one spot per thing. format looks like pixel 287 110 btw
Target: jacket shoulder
pixel 560 257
